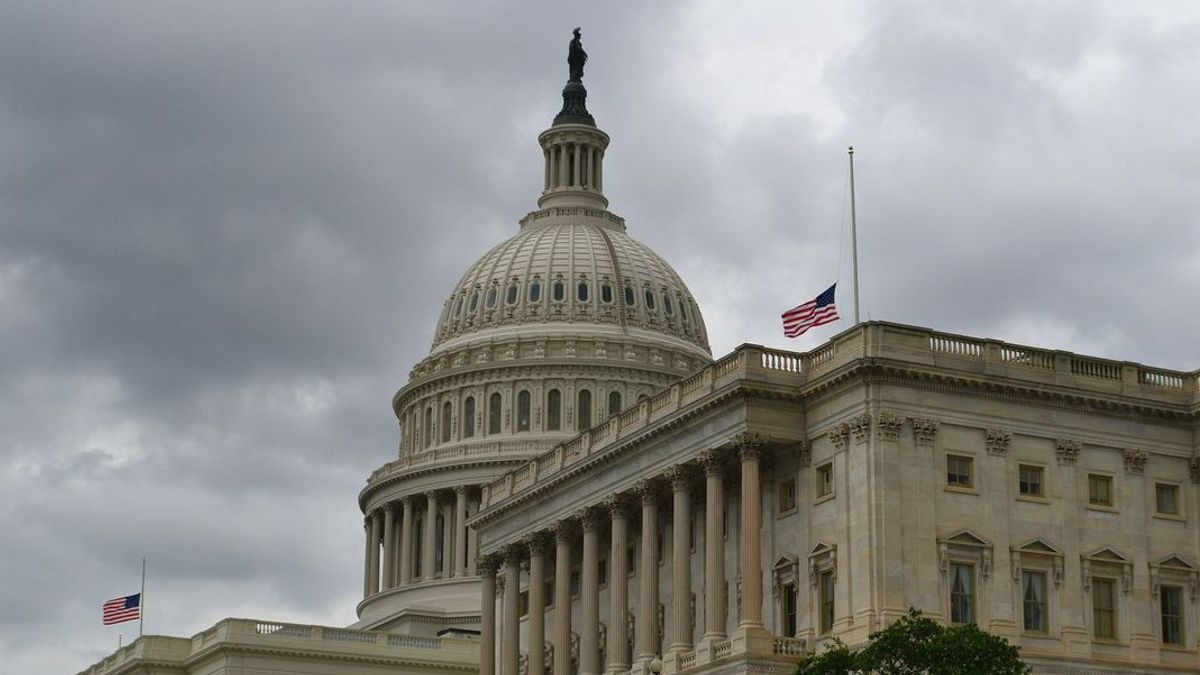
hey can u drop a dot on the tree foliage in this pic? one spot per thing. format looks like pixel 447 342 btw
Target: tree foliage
pixel 916 645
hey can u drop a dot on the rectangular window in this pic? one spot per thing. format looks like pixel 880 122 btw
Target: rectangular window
pixel 826 590
pixel 788 593
pixel 1033 596
pixel 787 496
pixel 1170 602
pixel 1104 608
pixel 962 593
pixel 1029 480
pixel 1100 492
pixel 825 480
pixel 958 471
pixel 1166 498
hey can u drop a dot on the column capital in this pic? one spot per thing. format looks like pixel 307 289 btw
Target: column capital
pixel 924 429
pixel 648 489
pixel 488 565
pixel 460 490
pixel 591 518
pixel 679 476
pixel 515 553
pixel 431 495
pixel 538 543
pixel 713 462
pixel 390 508
pixel 564 530
pixel 617 505
pixel 749 446
pixel 376 514
pixel 406 500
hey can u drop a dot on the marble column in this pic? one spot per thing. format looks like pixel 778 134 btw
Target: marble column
pixel 510 654
pixel 714 547
pixel 588 165
pixel 472 535
pixel 600 170
pixel 373 577
pixel 460 531
pixel 564 169
pixel 751 531
pixel 448 525
pixel 429 542
pixel 406 540
pixel 367 558
pixel 681 558
pixel 589 633
pixel 563 540
pixel 537 604
pixel 576 167
pixel 618 585
pixel 487 567
pixel 389 546
pixel 648 574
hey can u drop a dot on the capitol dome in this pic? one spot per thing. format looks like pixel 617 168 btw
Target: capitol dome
pixel 571 272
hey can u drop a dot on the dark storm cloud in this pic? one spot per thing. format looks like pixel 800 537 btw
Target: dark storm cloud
pixel 226 230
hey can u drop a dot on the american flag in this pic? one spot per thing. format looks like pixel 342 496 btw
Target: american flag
pixel 816 312
pixel 120 610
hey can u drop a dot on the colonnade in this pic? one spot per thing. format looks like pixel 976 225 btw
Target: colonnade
pixel 397 554
pixel 577 539
pixel 576 165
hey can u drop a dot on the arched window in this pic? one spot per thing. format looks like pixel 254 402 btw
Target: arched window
pixel 629 297
pixel 494 413
pixel 523 411
pixel 558 292
pixel 535 291
pixel 606 293
pixel 614 403
pixel 446 422
pixel 473 302
pixel 468 417
pixel 582 291
pixel 667 307
pixel 490 300
pixel 428 432
pixel 583 411
pixel 511 296
pixel 554 410
pixel 649 299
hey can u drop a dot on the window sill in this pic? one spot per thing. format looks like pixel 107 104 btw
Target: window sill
pixel 1108 641
pixel 1176 648
pixel 1102 508
pixel 1033 499
pixel 1171 516
pixel 825 498
pixel 961 490
pixel 790 512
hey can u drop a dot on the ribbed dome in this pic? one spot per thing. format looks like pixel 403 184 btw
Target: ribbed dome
pixel 561 270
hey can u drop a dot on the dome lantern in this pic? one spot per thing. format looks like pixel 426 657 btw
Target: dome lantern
pixel 573 148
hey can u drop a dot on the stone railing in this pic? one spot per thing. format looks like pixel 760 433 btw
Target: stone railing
pixel 787 646
pixel 877 340
pixel 456 455
pixel 456 654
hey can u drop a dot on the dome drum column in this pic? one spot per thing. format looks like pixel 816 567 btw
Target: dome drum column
pixel 573 154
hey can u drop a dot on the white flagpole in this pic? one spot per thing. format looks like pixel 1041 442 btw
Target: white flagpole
pixel 142 599
pixel 854 235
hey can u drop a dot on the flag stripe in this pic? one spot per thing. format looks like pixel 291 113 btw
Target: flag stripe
pixel 120 610
pixel 816 312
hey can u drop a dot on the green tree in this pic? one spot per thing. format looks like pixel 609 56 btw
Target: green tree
pixel 915 645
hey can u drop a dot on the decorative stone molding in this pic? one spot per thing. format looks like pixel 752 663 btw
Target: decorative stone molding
pixel 1067 450
pixel 965 545
pixel 515 553
pixel 889 426
pixel 786 570
pixel 803 452
pixel 1135 461
pixel 838 435
pixel 487 565
pixel 591 518
pixel 648 489
pixel 1108 560
pixel 822 558
pixel 1174 569
pixel 924 430
pixel 713 462
pixel 565 530
pixel 679 476
pixel 1037 554
pixel 538 543
pixel 997 441
pixel 1194 469
pixel 860 427
pixel 617 505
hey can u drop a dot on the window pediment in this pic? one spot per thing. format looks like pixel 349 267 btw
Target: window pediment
pixel 966 538
pixel 968 546
pixel 786 570
pixel 1108 555
pixel 1175 569
pixel 822 558
pixel 1038 546
pixel 1108 561
pixel 1174 562
pixel 1038 553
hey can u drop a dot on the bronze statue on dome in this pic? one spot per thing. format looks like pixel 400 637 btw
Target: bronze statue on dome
pixel 576 57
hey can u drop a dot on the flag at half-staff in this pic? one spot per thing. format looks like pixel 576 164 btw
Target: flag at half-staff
pixel 816 312
pixel 120 610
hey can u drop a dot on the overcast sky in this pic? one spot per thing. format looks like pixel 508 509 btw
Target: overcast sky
pixel 227 228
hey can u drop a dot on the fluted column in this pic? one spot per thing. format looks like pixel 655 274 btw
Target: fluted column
pixel 510 655
pixel 487 567
pixel 389 546
pixel 589 633
pixel 577 168
pixel 429 542
pixel 564 169
pixel 751 510
pixel 373 576
pixel 600 170
pixel 681 573
pixel 563 536
pixel 648 574
pixel 472 538
pixel 714 547
pixel 406 541
pixel 367 558
pixel 618 584
pixel 460 531
pixel 537 604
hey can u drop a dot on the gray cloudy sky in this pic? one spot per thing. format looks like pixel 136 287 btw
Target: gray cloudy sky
pixel 226 229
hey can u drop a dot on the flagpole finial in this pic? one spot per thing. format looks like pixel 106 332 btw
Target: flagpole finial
pixel 852 149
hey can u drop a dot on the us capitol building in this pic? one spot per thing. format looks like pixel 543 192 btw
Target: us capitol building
pixel 581 488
